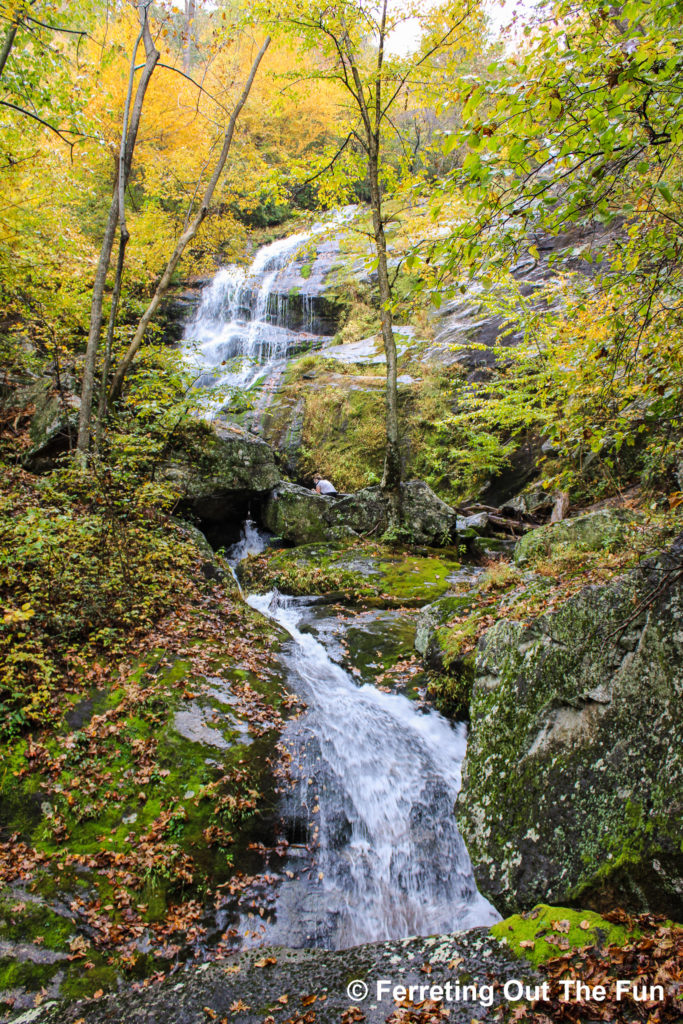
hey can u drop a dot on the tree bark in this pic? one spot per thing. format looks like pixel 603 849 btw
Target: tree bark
pixel 102 405
pixel 391 480
pixel 372 118
pixel 88 382
pixel 190 11
pixel 187 235
pixel 7 45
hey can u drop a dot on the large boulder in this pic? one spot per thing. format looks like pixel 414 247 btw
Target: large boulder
pixel 573 782
pixel 219 468
pixel 605 530
pixel 297 514
pixel 53 419
pixel 302 516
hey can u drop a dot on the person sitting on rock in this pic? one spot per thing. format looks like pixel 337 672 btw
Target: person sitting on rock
pixel 323 486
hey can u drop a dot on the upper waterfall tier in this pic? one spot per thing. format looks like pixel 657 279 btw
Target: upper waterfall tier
pixel 249 318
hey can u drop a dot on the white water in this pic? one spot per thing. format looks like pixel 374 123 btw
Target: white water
pixel 378 779
pixel 240 330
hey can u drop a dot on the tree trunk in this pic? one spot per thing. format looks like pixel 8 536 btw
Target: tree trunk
pixel 190 11
pixel 102 405
pixel 187 235
pixel 87 386
pixel 391 480
pixel 7 45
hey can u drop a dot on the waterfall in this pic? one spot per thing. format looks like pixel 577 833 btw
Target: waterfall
pixel 244 324
pixel 240 326
pixel 372 783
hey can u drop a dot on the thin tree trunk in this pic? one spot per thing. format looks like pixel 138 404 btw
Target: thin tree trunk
pixel 187 235
pixel 8 44
pixel 123 242
pixel 102 405
pixel 87 386
pixel 190 11
pixel 391 479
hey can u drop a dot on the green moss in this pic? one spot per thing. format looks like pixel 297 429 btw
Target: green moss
pixel 25 974
pixel 370 573
pixel 451 694
pixel 21 921
pixel 83 985
pixel 538 925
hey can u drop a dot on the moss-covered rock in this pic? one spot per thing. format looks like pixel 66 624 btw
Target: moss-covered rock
pixel 427 633
pixel 573 778
pixel 605 530
pixel 542 933
pixel 298 514
pixel 302 516
pixel 368 573
pixel 217 468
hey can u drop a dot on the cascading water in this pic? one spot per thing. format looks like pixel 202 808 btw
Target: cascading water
pixel 373 782
pixel 243 325
pixel 240 325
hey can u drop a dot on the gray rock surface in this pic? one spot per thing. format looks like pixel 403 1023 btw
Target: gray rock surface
pixel 216 468
pixel 573 781
pixel 54 420
pixel 605 530
pixel 302 516
pixel 248 988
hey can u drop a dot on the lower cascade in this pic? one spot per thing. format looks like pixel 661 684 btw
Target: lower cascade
pixel 372 785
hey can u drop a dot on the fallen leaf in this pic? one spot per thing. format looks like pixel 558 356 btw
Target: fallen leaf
pixel 560 926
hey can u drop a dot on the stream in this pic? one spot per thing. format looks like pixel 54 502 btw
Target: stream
pixel 374 850
pixel 373 780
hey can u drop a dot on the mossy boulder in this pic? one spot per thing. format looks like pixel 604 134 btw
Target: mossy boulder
pixel 545 932
pixel 371 574
pixel 427 632
pixel 218 468
pixel 301 516
pixel 298 514
pixel 573 780
pixel 605 530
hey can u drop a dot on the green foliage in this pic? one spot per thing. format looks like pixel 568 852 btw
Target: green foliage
pixel 578 132
pixel 451 693
pixel 87 564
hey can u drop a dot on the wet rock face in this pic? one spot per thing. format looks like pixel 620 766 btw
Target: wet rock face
pixel 266 981
pixel 302 516
pixel 462 322
pixel 301 294
pixel 218 468
pixel 574 771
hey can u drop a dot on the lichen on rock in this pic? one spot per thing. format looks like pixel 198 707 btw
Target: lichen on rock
pixel 573 778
